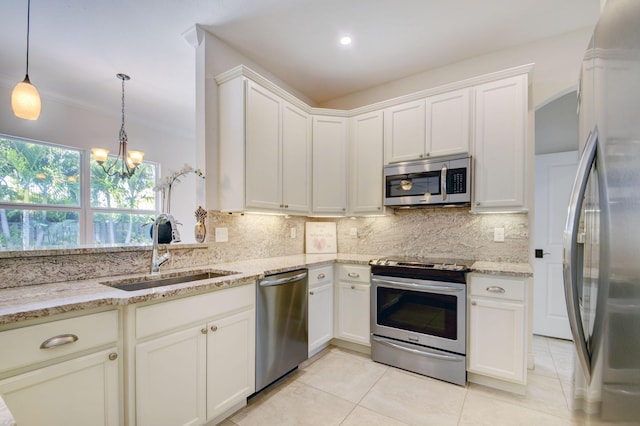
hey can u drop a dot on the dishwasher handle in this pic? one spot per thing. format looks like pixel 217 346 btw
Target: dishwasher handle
pixel 268 282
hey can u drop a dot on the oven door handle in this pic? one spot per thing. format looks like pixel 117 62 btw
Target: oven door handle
pixel 414 286
pixel 417 351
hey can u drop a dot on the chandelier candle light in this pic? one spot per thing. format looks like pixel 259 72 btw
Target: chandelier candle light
pixel 127 161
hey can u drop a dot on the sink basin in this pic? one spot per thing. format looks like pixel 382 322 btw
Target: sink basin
pixel 145 283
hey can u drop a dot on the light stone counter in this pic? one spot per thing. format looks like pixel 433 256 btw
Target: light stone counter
pixel 36 301
pixel 43 300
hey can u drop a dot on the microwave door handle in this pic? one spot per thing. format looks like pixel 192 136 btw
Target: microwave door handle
pixel 443 182
pixel 570 254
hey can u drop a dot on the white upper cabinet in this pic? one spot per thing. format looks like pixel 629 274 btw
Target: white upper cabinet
pixel 404 127
pixel 436 126
pixel 296 159
pixel 499 145
pixel 265 151
pixel 329 165
pixel 365 164
pixel 447 123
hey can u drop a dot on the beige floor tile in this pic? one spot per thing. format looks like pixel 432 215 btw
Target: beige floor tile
pixel 363 417
pixel 292 405
pixel 540 344
pixel 483 410
pixel 544 394
pixel 343 374
pixel 544 365
pixel 564 364
pixel 415 400
pixel 560 346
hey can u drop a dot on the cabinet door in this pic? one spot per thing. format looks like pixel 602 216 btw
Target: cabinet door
pixel 320 316
pixel 262 153
pixel 296 160
pixel 497 339
pixel 82 391
pixel 230 361
pixel 404 127
pixel 366 164
pixel 447 123
pixel 171 379
pixel 499 147
pixel 329 165
pixel 353 312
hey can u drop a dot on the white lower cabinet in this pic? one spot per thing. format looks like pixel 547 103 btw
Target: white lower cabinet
pixel 75 378
pixel 353 303
pixel 195 357
pixel 320 308
pixel 498 328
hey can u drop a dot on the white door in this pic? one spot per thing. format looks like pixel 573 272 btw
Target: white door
pixel 554 179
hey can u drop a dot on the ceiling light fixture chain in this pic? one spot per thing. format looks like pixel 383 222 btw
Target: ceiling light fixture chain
pixel 128 161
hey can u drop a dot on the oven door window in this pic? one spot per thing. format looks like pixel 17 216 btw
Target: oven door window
pixel 420 312
pixel 413 184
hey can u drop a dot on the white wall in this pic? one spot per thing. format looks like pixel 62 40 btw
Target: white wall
pixel 557 125
pixel 557 63
pixel 82 127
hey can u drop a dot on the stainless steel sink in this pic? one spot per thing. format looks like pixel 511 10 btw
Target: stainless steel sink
pixel 146 282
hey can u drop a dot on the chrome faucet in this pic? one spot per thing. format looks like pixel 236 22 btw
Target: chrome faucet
pixel 156 259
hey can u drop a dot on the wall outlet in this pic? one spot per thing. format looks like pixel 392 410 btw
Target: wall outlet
pixel 293 232
pixel 222 235
pixel 498 235
pixel 353 232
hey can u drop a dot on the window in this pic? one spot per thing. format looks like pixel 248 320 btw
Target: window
pixel 47 199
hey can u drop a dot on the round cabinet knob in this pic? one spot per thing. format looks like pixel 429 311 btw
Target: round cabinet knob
pixel 428 154
pixel 214 328
pixel 477 203
pixel 321 276
pixel 311 293
pixel 421 155
pixel 353 287
pixel 113 356
pixel 473 303
pixel 203 331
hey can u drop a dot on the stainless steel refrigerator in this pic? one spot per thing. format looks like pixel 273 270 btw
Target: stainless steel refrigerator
pixel 602 234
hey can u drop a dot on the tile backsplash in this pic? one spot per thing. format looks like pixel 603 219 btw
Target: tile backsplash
pixel 441 233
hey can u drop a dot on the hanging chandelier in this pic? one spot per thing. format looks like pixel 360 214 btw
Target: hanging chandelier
pixel 25 99
pixel 126 163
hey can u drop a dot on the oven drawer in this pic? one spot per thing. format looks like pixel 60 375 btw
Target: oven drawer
pixel 497 287
pixel 354 273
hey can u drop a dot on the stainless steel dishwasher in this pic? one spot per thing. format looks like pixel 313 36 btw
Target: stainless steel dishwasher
pixel 281 325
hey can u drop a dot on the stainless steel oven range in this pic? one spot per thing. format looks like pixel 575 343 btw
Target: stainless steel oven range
pixel 418 316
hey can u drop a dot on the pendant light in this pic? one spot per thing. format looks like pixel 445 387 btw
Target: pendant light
pixel 126 163
pixel 25 99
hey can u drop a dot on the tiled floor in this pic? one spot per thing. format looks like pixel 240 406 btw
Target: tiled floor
pixel 340 387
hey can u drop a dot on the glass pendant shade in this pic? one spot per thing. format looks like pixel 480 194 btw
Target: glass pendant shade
pixel 25 100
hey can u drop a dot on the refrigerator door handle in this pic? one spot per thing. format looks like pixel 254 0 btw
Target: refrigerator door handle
pixel 570 253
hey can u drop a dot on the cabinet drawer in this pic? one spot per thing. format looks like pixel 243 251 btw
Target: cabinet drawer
pixel 497 287
pixel 320 275
pixel 43 342
pixel 356 273
pixel 164 316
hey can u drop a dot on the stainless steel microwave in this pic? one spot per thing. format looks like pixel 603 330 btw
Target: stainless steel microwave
pixel 444 181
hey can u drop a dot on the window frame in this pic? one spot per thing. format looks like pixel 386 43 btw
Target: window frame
pixel 84 209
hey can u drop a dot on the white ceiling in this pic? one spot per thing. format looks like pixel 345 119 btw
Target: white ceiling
pixel 78 46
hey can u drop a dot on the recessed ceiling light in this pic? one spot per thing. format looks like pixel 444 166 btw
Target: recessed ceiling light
pixel 345 40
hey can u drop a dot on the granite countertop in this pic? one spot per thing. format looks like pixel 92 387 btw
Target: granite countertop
pixel 42 300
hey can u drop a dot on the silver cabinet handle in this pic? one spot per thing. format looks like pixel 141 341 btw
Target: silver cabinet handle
pixel 443 182
pixel 321 276
pixel 353 275
pixel 425 352
pixel 113 356
pixel 495 289
pixel 59 340
pixel 570 257
pixel 214 328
